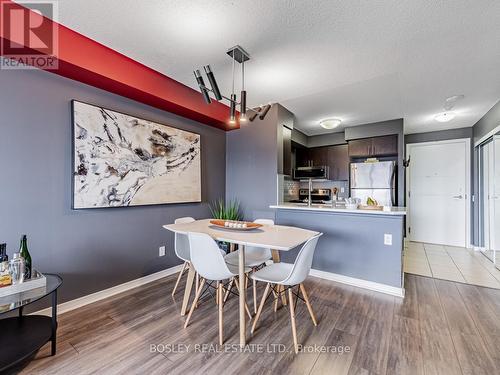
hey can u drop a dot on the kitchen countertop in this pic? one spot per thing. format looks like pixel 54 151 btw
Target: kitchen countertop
pixel 401 211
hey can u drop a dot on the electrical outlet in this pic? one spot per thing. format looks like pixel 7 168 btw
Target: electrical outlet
pixel 387 239
pixel 342 190
pixel 162 251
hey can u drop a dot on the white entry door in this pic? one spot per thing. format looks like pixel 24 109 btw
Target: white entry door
pixel 437 192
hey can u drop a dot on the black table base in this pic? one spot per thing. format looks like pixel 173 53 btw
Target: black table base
pixel 22 336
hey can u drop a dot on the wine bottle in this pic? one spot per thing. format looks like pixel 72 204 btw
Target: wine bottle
pixel 3 253
pixel 23 249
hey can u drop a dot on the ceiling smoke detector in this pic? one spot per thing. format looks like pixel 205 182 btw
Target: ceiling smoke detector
pixel 450 102
pixel 330 123
pixel 445 116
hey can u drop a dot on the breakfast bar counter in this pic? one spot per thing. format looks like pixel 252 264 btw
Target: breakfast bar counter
pixel 329 208
pixel 358 247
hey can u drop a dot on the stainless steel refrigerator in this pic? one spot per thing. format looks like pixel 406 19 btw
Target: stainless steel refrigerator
pixel 376 180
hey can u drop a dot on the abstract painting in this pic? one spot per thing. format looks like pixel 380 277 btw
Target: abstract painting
pixel 120 160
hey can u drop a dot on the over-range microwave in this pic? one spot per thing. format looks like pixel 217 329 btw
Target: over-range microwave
pixel 315 173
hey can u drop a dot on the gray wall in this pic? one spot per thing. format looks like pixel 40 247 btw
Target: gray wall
pixel 252 164
pixel 299 137
pixel 441 135
pixel 487 123
pixel 91 249
pixel 378 129
pixel 326 140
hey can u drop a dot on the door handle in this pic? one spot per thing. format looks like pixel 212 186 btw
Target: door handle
pixel 458 196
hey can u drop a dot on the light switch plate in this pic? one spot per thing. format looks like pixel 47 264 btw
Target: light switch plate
pixel 162 251
pixel 387 239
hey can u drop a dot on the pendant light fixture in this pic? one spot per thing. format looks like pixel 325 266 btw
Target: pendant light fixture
pixel 232 104
pixel 237 54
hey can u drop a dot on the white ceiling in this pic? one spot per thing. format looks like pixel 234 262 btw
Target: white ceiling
pixel 360 61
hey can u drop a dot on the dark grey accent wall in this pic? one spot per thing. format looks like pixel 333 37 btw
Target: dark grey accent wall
pixel 382 128
pixel 352 243
pixel 252 165
pixel 487 123
pixel 91 249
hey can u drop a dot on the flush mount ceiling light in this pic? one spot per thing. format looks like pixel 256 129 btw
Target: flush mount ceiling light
pixel 237 54
pixel 330 123
pixel 445 116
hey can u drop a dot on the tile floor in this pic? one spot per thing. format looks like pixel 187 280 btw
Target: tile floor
pixel 450 263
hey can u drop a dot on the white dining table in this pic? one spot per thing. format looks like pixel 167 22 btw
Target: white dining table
pixel 275 237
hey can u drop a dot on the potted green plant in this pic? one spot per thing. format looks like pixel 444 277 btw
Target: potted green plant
pixel 226 211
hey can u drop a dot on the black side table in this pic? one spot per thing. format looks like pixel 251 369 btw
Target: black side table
pixel 23 335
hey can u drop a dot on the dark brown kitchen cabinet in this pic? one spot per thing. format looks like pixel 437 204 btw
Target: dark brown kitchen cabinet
pixel 376 146
pixel 385 146
pixel 309 157
pixel 335 157
pixel 318 155
pixel 287 151
pixel 338 162
pixel 302 157
pixel 359 148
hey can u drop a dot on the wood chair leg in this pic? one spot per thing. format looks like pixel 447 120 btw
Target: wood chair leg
pixel 292 318
pixel 187 289
pixel 221 318
pixel 308 304
pixel 179 277
pixel 193 306
pixel 254 285
pixel 197 284
pixel 217 294
pixel 246 305
pixel 277 297
pixel 283 296
pixel 261 306
pixel 228 290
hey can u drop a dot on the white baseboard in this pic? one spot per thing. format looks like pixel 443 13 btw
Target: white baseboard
pixel 382 288
pixel 97 296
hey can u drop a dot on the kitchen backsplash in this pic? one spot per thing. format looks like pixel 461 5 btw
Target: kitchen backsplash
pixel 288 189
pixel 291 190
pixel 342 187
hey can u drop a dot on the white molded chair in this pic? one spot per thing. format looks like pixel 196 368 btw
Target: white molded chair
pixel 210 265
pixel 181 247
pixel 254 257
pixel 283 276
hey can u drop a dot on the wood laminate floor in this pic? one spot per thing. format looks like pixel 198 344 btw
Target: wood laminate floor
pixel 441 327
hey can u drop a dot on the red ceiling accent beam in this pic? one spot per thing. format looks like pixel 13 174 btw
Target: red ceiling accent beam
pixel 85 60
